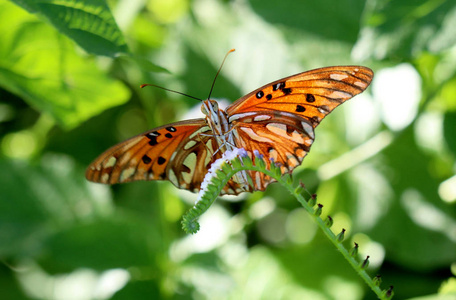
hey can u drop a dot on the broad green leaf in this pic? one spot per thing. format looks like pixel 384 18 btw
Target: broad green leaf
pixel 103 244
pixel 137 290
pixel 42 67
pixel 9 286
pixel 338 20
pixel 38 200
pixel 400 30
pixel 145 64
pixel 90 23
pixel 449 127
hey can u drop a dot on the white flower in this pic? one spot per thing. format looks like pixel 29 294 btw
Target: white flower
pixel 216 165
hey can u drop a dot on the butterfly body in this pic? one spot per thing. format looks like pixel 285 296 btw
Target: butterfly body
pixel 278 120
pixel 223 133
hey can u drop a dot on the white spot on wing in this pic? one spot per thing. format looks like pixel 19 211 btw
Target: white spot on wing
pixel 111 162
pixel 105 178
pixel 308 129
pixel 360 84
pixel 255 136
pixel 338 76
pixel 261 118
pixel 323 109
pixel 189 162
pixel 172 177
pixel 339 95
pixel 173 156
pixel 274 127
pixel 127 173
pixel 190 144
pixel 239 116
pixel 292 161
pixel 281 130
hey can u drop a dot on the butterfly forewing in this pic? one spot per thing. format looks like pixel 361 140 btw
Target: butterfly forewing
pixel 312 94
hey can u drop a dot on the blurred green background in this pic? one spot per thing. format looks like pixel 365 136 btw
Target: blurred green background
pixel 383 164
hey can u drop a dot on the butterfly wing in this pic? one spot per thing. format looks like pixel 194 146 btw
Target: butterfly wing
pixel 317 92
pixel 279 118
pixel 180 152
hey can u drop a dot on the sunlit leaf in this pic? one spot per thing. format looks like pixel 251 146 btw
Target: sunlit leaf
pixel 145 64
pixel 43 68
pixel 404 29
pixel 90 23
pixel 36 200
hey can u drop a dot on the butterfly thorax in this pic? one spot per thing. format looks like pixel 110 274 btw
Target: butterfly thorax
pixel 215 117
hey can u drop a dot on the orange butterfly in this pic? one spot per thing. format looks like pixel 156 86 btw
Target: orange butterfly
pixel 277 119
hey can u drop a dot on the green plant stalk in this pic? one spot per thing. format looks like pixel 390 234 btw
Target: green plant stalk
pixel 332 237
pixel 190 225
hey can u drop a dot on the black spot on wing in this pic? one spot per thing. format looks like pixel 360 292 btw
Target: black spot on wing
pixel 161 160
pixel 286 91
pixel 278 86
pixel 259 95
pixel 152 136
pixel 300 108
pixel 146 159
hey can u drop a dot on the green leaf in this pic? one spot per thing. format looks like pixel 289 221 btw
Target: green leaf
pixel 449 125
pixel 411 240
pixel 402 29
pixel 338 20
pixel 145 64
pixel 9 286
pixel 89 23
pixel 100 245
pixel 42 67
pixel 137 290
pixel 37 200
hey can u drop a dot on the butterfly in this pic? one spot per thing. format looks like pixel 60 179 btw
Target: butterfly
pixel 278 120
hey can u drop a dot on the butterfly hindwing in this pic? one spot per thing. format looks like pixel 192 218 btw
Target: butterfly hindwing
pixel 283 139
pixel 179 152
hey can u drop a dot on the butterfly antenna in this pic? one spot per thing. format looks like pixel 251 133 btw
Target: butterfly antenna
pixel 213 83
pixel 149 84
